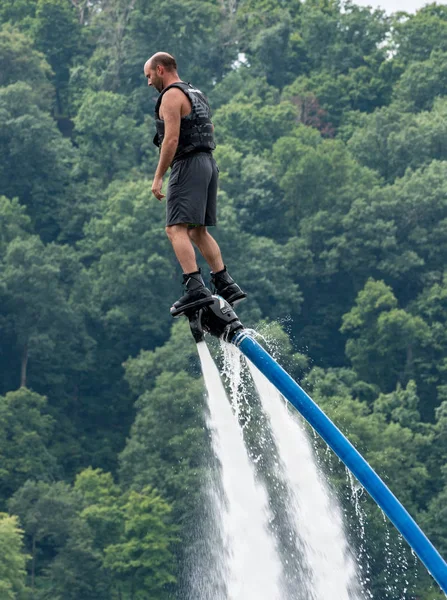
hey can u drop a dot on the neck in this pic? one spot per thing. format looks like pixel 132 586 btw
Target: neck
pixel 170 80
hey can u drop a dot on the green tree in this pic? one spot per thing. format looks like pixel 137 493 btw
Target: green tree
pixel 391 140
pixel 169 427
pixel 389 233
pixel 419 142
pixel 341 40
pixel 178 353
pixel 64 564
pixel 242 82
pixel 316 176
pixel 417 203
pixel 18 11
pixel 57 33
pixel 22 62
pixel 25 436
pixel 435 517
pixel 329 92
pixel 374 429
pixel 416 36
pixel 39 312
pixel 108 138
pixel 130 264
pixel 28 136
pixel 384 340
pixel 14 222
pixel 182 27
pixel 76 571
pixel 397 453
pixel 167 445
pixel 250 125
pixel 423 82
pixel 363 88
pixel 102 506
pixel 258 199
pixel 369 144
pixel 143 562
pixel 400 406
pixel 271 40
pixel 12 560
pixel 431 305
pixel 258 263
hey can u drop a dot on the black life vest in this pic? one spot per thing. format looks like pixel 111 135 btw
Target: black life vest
pixel 196 129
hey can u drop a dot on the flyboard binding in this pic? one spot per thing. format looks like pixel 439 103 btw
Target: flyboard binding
pixel 212 315
pixel 191 307
pixel 194 306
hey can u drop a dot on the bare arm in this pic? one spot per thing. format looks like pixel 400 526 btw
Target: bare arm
pixel 171 106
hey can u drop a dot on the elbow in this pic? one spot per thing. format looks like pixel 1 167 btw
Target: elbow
pixel 171 141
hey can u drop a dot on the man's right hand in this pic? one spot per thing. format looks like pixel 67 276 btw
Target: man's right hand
pixel 157 184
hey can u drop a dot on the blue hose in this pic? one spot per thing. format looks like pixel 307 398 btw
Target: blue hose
pixel 369 479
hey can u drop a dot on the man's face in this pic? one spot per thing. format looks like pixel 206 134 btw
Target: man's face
pixel 154 76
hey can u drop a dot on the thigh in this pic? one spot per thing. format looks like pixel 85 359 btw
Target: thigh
pixel 187 194
pixel 211 204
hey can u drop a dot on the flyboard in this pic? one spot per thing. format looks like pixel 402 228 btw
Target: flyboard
pixel 216 317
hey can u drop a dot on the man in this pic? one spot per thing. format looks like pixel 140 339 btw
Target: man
pixel 186 141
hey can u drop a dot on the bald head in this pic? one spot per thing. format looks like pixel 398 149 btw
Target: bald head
pixel 164 60
pixel 161 70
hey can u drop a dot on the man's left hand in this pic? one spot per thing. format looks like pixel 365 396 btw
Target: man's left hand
pixel 157 184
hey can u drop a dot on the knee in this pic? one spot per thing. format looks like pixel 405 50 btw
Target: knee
pixel 175 231
pixel 197 234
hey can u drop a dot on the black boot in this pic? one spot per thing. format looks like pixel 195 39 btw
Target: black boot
pixel 197 294
pixel 224 285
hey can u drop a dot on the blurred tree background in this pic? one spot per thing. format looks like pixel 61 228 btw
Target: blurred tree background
pixel 331 123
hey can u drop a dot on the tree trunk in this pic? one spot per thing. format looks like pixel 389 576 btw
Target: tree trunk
pixel 132 588
pixel 33 567
pixel 24 366
pixel 80 7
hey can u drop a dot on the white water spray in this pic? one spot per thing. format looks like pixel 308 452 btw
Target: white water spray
pixel 253 565
pixel 315 514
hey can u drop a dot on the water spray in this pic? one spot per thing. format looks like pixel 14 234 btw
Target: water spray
pixel 219 319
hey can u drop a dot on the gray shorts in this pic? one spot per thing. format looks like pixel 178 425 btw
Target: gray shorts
pixel 192 191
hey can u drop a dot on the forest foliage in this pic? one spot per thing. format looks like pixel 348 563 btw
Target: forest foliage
pixel 331 124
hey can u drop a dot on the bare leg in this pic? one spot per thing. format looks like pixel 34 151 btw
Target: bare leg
pixel 208 247
pixel 183 248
